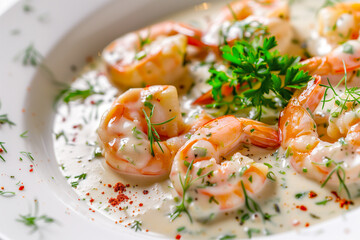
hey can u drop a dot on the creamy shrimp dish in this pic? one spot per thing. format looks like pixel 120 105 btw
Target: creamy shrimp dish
pixel 231 120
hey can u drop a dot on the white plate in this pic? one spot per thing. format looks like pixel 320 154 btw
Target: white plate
pixel 65 32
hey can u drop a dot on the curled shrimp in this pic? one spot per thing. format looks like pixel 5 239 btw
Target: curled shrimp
pixel 150 56
pixel 143 130
pixel 219 173
pixel 339 22
pixel 243 20
pixel 344 57
pixel 329 163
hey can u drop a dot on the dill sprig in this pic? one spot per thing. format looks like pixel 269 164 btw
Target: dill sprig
pixel 338 170
pixel 351 96
pixel 252 205
pixel 265 77
pixel 7 194
pixel 185 185
pixel 5 120
pixel 32 219
pixel 4 149
pixel 28 155
pixel 153 135
pixel 136 225
pixel 70 94
pixel 79 178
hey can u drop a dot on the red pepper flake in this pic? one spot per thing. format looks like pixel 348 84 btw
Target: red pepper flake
pixel 21 188
pixel 109 185
pixel 92 102
pixel 140 205
pixel 113 202
pixel 103 193
pixel 127 185
pixel 1 150
pixel 91 200
pixel 122 197
pixel 343 203
pixel 119 187
pixel 2 188
pixel 145 192
pixel 131 202
pixel 312 194
pixel 119 199
pixel 74 139
pixel 307 224
pixel 87 194
pixel 302 208
pixel 178 236
pixel 31 170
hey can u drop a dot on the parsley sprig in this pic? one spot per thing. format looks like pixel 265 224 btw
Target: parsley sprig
pixel 153 135
pixel 265 77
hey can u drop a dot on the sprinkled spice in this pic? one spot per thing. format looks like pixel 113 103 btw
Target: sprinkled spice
pixel 302 208
pixel 343 203
pixel 21 188
pixel 178 236
pixel 312 194
pixel 145 192
pixel 119 187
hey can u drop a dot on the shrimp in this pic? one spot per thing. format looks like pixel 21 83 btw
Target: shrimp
pixel 138 140
pixel 346 55
pixel 330 163
pixel 242 20
pixel 150 56
pixel 210 151
pixel 339 22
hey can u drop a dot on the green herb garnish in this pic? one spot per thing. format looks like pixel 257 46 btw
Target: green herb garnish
pixel 153 135
pixel 185 185
pixel 136 225
pixel 32 219
pixel 338 170
pixel 7 194
pixel 265 77
pixel 28 155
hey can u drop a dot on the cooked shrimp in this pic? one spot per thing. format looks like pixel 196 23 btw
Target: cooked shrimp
pixel 339 22
pixel 347 53
pixel 125 132
pixel 150 56
pixel 333 164
pixel 245 19
pixel 210 150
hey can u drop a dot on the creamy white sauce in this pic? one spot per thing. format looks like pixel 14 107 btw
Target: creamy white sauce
pixel 285 199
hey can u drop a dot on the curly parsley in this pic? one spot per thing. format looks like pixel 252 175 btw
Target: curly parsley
pixel 258 76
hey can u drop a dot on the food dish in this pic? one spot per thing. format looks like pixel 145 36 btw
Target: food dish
pixel 48 171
